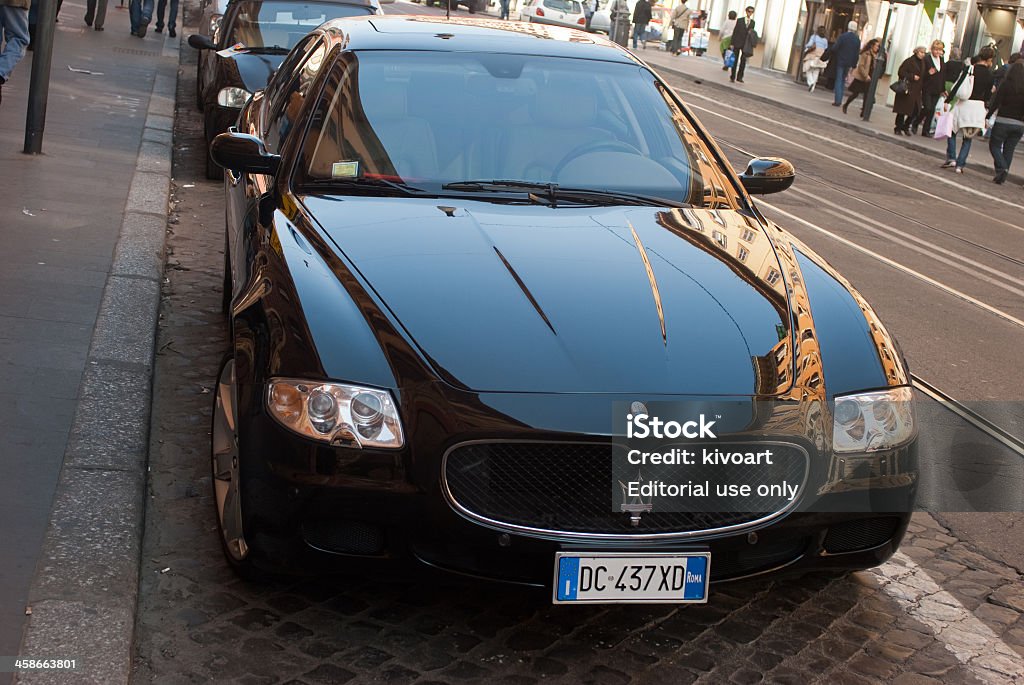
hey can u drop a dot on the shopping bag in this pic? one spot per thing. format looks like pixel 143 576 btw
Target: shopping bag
pixel 730 58
pixel 944 125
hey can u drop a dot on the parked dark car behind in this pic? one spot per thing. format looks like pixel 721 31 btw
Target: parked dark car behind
pixel 265 30
pixel 434 327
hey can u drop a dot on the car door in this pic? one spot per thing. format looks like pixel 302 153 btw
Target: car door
pixel 274 120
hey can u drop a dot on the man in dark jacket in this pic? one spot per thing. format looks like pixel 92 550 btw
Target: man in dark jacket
pixel 845 53
pixel 743 30
pixel 14 30
pixel 641 18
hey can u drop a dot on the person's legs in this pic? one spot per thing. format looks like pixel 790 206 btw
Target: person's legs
pixel 90 11
pixel 995 142
pixel 965 149
pixel 161 7
pixel 14 26
pixel 172 18
pixel 134 12
pixel 735 64
pixel 1013 137
pixel 100 14
pixel 636 34
pixel 950 150
pixel 840 84
pixel 928 113
pixel 742 60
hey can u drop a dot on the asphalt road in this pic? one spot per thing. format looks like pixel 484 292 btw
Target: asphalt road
pixel 938 256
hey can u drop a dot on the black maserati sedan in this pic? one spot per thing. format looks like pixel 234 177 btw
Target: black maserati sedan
pixel 499 306
pixel 246 46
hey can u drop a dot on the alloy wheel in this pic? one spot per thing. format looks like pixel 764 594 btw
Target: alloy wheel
pixel 225 464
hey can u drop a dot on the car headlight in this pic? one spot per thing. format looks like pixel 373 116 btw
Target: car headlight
pixel 232 97
pixel 337 413
pixel 873 421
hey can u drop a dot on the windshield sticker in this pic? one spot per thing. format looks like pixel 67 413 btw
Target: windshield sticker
pixel 344 169
pixel 236 49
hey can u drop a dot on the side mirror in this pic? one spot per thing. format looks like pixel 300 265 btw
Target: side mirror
pixel 766 175
pixel 243 154
pixel 201 42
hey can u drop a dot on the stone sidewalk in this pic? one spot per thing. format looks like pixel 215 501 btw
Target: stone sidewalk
pixel 82 238
pixel 780 89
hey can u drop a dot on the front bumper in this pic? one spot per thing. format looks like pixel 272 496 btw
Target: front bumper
pixel 312 509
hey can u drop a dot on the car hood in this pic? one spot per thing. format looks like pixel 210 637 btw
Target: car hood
pixel 253 71
pixel 507 298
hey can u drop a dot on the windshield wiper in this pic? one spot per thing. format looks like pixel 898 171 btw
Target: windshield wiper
pixel 365 183
pixel 552 193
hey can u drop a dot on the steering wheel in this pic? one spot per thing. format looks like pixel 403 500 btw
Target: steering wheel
pixel 589 147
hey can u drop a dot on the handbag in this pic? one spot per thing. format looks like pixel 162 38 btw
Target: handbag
pixel 944 125
pixel 901 87
pixel 730 58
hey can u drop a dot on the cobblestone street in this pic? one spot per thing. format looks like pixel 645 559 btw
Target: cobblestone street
pixel 939 612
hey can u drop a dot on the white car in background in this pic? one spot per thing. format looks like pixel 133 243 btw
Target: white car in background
pixel 557 12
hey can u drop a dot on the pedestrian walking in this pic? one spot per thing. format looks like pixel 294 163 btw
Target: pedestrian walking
pixel 1008 107
pixel 812 62
pixel 967 98
pixel 642 14
pixel 845 54
pixel 589 7
pixel 742 44
pixel 95 13
pixel 933 86
pixel 725 39
pixel 140 13
pixel 862 73
pixel 14 32
pixel 907 104
pixel 161 5
pixel 680 20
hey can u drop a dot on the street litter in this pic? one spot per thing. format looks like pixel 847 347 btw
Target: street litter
pixel 84 71
pixel 26 212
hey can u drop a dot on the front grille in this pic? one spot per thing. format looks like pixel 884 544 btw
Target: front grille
pixel 853 536
pixel 568 488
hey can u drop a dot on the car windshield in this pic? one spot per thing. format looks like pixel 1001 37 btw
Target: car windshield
pixel 564 5
pixel 435 120
pixel 282 24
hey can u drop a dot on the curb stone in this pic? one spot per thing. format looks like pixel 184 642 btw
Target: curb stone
pixel 84 591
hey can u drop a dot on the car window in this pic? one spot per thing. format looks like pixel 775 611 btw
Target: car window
pixel 298 55
pixel 290 97
pixel 432 118
pixel 282 24
pixel 564 5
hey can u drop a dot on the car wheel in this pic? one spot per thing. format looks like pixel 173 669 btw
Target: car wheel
pixel 227 494
pixel 213 170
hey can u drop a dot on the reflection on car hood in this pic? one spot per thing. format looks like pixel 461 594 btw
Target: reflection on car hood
pixel 253 70
pixel 609 299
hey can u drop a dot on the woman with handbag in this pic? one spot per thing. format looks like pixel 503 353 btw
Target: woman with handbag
pixel 967 97
pixel 725 40
pixel 909 90
pixel 862 72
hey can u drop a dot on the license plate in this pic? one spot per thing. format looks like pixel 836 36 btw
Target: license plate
pixel 623 578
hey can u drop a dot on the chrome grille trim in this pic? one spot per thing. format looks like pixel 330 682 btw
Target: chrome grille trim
pixel 558 535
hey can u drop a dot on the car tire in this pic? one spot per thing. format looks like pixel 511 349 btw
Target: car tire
pixel 213 170
pixel 225 470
